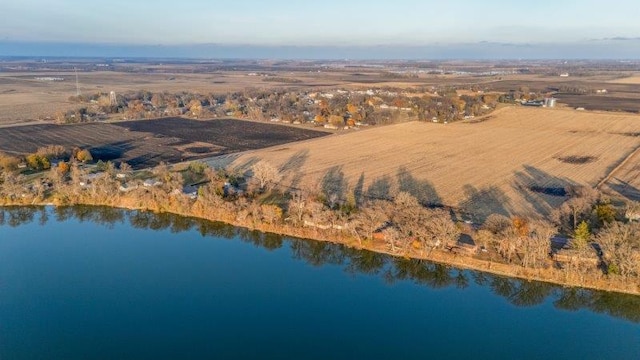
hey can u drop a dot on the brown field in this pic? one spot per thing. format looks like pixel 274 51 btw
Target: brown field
pixel 625 181
pixel 23 98
pixel 145 143
pixel 517 162
pixel 628 80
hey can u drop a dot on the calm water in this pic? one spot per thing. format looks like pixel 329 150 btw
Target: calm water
pixel 80 283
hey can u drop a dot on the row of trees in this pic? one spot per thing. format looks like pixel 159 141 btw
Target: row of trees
pixel 43 158
pixel 399 224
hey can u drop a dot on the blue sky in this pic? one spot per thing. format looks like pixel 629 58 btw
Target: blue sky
pixel 321 22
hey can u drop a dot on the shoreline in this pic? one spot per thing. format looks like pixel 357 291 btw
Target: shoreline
pixel 548 275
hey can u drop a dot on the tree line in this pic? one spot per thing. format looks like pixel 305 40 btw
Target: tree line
pixel 336 107
pixel 602 243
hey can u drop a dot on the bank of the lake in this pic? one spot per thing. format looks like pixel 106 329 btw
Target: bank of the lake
pixel 550 274
pixel 101 282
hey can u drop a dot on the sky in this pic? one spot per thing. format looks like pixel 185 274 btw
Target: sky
pixel 269 25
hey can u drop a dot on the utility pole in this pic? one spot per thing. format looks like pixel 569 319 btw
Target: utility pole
pixel 113 101
pixel 77 84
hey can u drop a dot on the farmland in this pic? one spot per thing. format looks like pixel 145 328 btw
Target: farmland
pixel 518 161
pixel 146 143
pixel 27 96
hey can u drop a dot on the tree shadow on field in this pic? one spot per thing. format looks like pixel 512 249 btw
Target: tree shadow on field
pixel 380 188
pixel 113 151
pixel 146 161
pixel 293 165
pixel 245 167
pixel 358 191
pixel 624 189
pixel 334 186
pixel 423 190
pixel 295 162
pixel 221 161
pixel 480 203
pixel 540 189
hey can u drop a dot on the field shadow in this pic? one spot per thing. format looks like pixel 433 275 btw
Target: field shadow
pixel 221 161
pixel 245 167
pixel 292 167
pixel 480 203
pixel 423 190
pixel 334 186
pixel 380 188
pixel 624 189
pixel 295 162
pixel 113 151
pixel 540 189
pixel 358 190
pixel 145 161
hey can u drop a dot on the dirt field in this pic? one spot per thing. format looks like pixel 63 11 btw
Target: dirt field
pixel 24 98
pixel 600 102
pixel 26 94
pixel 145 143
pixel 625 181
pixel 517 162
pixel 628 80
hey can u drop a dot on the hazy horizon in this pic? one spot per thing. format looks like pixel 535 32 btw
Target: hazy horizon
pixel 333 29
pixel 597 50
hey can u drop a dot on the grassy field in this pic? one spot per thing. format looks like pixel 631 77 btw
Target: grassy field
pixel 518 161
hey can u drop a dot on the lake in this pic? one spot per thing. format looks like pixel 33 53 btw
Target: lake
pixel 100 283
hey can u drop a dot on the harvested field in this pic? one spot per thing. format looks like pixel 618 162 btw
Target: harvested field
pixel 625 180
pixel 232 135
pixel 146 143
pixel 22 98
pixel 601 102
pixel 508 164
pixel 627 80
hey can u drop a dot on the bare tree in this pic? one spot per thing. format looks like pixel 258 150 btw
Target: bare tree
pixel 265 174
pixel 271 213
pixel 125 169
pixel 576 209
pixel 443 231
pixel 497 224
pixel 620 244
pixel 539 243
pixel 371 217
pixel 391 236
pixel 297 206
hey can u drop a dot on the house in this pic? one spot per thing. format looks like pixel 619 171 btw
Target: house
pixel 126 187
pixel 190 191
pixel 573 256
pixel 537 103
pixel 151 182
pixel 632 215
pixel 88 179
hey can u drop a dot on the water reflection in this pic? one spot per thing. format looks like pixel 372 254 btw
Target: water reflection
pixel 518 292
